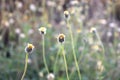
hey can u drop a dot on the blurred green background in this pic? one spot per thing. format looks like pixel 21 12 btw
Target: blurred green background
pixel 19 24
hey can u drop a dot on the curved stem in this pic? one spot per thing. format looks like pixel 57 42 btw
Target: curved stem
pixel 25 69
pixel 65 61
pixel 79 58
pixel 44 59
pixel 73 49
pixel 56 61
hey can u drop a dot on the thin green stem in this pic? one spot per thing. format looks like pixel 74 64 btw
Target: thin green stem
pixel 25 68
pixel 44 59
pixel 65 61
pixel 101 45
pixel 80 57
pixel 73 49
pixel 82 53
pixel 56 61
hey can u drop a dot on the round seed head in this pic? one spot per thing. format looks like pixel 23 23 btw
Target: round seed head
pixel 50 76
pixel 42 30
pixel 29 48
pixel 66 15
pixel 61 38
pixel 93 30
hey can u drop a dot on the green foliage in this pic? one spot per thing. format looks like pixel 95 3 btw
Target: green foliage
pixel 88 48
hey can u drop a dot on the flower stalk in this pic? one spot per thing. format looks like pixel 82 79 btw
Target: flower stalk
pixel 44 59
pixel 29 48
pixel 72 42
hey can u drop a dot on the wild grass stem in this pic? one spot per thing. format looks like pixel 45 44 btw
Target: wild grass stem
pixel 73 49
pixel 64 57
pixel 25 68
pixel 44 59
pixel 54 70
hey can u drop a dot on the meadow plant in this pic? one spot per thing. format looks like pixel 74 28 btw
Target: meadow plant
pixel 43 32
pixel 94 31
pixel 29 48
pixel 67 18
pixel 95 60
pixel 61 39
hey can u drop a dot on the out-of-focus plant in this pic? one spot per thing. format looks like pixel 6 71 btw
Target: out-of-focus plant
pixel 43 32
pixel 29 48
pixel 61 40
pixel 67 18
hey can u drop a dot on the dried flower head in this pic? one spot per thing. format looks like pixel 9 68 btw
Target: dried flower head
pixel 42 30
pixel 29 48
pixel 61 38
pixel 93 30
pixel 66 15
pixel 50 76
